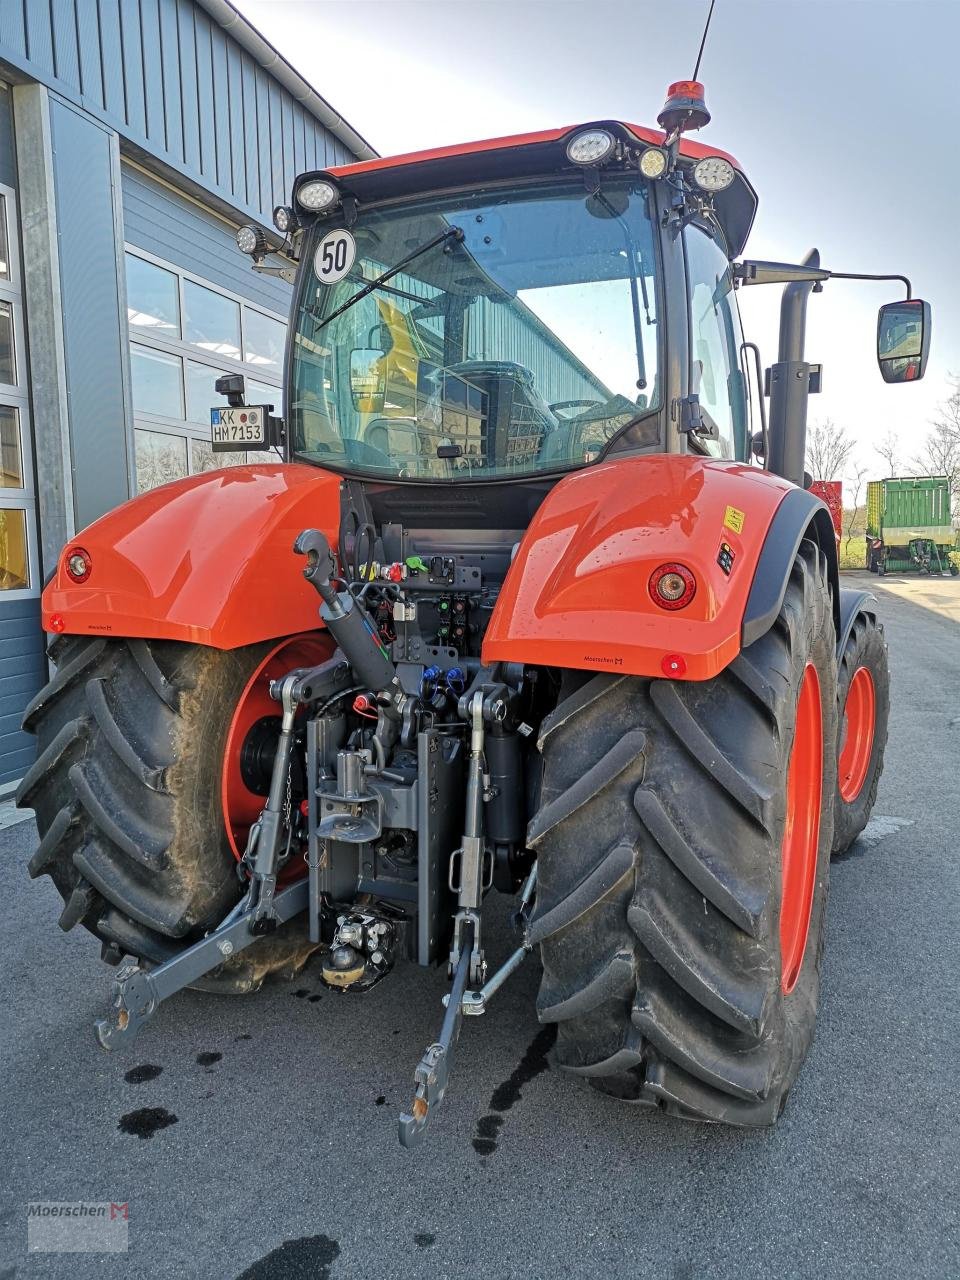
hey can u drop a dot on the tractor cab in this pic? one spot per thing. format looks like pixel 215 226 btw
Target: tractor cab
pixel 518 307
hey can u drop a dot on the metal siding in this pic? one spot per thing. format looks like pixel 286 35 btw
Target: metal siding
pixel 248 85
pixel 66 58
pixel 235 97
pixel 39 34
pixel 275 134
pixel 153 73
pixel 175 83
pixel 88 40
pixel 91 311
pixel 207 125
pixel 189 84
pixel 163 223
pixel 23 670
pixel 111 59
pixel 8 155
pixel 221 107
pixel 133 66
pixel 13 34
pixel 170 57
pixel 264 157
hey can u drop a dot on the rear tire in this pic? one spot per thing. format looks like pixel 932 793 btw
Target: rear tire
pixel 659 840
pixel 127 792
pixel 863 667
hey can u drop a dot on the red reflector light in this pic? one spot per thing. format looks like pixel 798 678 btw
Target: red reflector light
pixel 672 586
pixel 77 563
pixel 57 623
pixel 674 664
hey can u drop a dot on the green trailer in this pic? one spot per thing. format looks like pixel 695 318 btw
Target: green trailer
pixel 909 527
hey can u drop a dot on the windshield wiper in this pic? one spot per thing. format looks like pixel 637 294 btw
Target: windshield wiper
pixel 452 233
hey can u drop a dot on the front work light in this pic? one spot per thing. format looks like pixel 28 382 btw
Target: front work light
pixel 593 146
pixel 653 163
pixel 284 219
pixel 252 240
pixel 713 173
pixel 317 196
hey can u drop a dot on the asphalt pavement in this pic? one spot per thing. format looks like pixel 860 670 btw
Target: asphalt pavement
pixel 255 1136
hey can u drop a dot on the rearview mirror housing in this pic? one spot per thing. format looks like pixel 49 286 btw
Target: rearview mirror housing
pixel 368 379
pixel 903 340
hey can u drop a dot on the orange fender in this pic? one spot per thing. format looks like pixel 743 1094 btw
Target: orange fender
pixel 578 591
pixel 208 559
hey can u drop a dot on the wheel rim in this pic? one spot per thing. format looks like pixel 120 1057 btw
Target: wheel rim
pixel 241 806
pixel 859 722
pixel 801 833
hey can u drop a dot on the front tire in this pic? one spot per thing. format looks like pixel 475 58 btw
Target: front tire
pixel 128 792
pixel 863 701
pixel 683 867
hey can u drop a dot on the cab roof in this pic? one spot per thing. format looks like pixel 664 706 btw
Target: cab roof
pixel 493 159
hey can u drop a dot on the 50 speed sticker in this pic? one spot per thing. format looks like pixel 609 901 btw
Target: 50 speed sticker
pixel 335 256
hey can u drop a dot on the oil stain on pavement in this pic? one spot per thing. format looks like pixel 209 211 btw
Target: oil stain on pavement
pixel 140 1075
pixel 146 1122
pixel 532 1064
pixel 306 1258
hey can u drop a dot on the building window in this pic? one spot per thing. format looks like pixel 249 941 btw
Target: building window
pixel 153 298
pixel 18 530
pixel 5 271
pixel 11 460
pixel 211 321
pixel 184 334
pixel 156 382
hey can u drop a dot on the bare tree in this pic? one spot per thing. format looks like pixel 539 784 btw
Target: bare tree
pixel 855 522
pixel 889 450
pixel 941 451
pixel 828 450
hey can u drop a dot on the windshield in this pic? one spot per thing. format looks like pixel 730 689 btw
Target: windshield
pixel 477 337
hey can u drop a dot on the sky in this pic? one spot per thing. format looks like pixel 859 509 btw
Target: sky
pixel 844 114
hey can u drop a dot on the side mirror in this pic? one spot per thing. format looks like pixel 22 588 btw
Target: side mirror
pixel 368 379
pixel 903 340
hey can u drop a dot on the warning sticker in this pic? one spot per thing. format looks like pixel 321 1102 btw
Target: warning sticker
pixel 733 519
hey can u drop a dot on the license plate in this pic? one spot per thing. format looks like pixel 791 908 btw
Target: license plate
pixel 243 428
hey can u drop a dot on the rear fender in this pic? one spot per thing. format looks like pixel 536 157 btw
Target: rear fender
pixel 208 559
pixel 577 594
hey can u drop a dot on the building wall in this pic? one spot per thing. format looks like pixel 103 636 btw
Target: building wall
pixel 146 133
pixel 172 82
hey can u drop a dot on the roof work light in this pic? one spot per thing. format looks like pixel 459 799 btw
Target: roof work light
pixel 592 146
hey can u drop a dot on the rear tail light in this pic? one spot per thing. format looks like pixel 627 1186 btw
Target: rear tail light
pixel 672 586
pixel 78 564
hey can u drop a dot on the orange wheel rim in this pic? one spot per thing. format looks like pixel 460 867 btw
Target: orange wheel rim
pixel 241 806
pixel 859 724
pixel 801 832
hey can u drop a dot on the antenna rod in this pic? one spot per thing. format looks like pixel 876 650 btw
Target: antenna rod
pixel 706 28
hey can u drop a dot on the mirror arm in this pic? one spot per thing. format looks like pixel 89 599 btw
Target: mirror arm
pixel 856 275
pixel 749 272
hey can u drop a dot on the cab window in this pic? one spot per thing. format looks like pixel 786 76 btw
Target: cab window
pixel 715 338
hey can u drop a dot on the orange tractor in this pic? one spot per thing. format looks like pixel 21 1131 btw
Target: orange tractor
pixel 535 600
